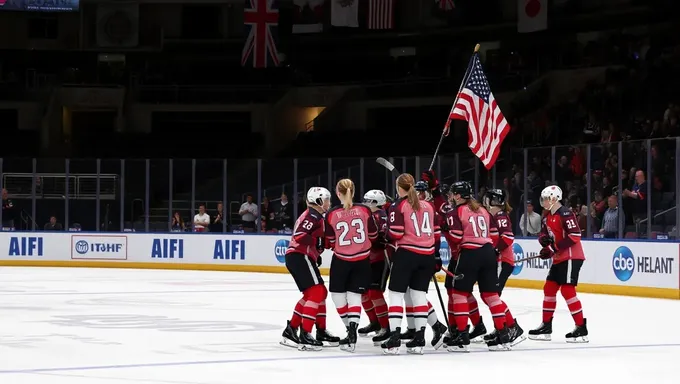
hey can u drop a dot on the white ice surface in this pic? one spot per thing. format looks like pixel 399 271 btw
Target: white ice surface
pixel 107 326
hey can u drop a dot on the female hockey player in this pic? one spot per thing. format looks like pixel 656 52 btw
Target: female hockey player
pixel 474 231
pixel 373 300
pixel 495 202
pixel 412 229
pixel 303 258
pixel 350 231
pixel 561 240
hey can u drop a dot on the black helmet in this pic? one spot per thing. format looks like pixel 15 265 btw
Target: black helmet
pixel 444 188
pixel 494 197
pixel 421 186
pixel 462 188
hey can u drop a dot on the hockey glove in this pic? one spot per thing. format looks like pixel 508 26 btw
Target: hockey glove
pixel 545 240
pixel 438 261
pixel 431 179
pixel 546 253
pixel 319 261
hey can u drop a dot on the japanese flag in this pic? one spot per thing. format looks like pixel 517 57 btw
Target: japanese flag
pixel 532 15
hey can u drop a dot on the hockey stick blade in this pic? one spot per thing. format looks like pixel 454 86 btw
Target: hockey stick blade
pixel 390 167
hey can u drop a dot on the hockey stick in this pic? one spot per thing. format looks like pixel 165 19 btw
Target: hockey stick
pixel 382 161
pixel 528 258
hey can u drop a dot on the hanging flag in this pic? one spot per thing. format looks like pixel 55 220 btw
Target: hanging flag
pixel 345 13
pixel 380 14
pixel 532 15
pixel 308 16
pixel 261 22
pixel 475 104
pixel 445 5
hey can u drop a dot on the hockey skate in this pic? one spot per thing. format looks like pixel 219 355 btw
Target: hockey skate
pixel 542 333
pixel 381 336
pixel 478 332
pixel 417 344
pixel 290 337
pixel 459 341
pixel 327 338
pixel 348 344
pixel 578 335
pixel 369 329
pixel 408 335
pixel 516 334
pixel 391 346
pixel 308 342
pixel 501 342
pixel 438 330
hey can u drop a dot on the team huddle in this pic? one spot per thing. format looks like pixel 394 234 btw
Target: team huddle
pixel 400 240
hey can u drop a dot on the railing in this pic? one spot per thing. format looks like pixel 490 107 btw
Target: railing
pixel 143 194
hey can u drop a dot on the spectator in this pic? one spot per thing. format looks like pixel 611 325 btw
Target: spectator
pixel 218 219
pixel 266 214
pixel 248 213
pixel 283 213
pixel 53 225
pixel 530 222
pixel 177 224
pixel 8 211
pixel 638 195
pixel 201 220
pixel 610 221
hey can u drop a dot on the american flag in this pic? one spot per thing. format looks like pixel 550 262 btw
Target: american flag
pixel 445 5
pixel 261 22
pixel 487 126
pixel 380 14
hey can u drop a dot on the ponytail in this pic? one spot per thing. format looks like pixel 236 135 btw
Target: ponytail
pixel 345 191
pixel 506 207
pixel 407 183
pixel 413 199
pixel 473 205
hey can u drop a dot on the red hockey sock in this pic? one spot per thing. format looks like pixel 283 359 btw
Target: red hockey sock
pixel 574 304
pixel 314 297
pixel 509 319
pixel 449 316
pixel 296 320
pixel 367 303
pixel 380 307
pixel 497 308
pixel 473 310
pixel 460 309
pixel 321 316
pixel 549 300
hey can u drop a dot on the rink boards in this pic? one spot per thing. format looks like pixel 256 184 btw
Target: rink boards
pixel 631 268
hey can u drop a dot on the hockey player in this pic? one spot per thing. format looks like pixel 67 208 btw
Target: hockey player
pixel 474 231
pixel 303 258
pixel 438 329
pixel 373 300
pixel 350 230
pixel 412 229
pixel 495 202
pixel 561 240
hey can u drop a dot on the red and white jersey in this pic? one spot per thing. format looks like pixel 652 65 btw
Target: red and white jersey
pixel 416 231
pixel 471 229
pixel 309 228
pixel 506 237
pixel 351 232
pixel 562 227
pixel 378 249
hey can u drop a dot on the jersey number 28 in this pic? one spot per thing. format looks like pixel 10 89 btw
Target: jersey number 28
pixel 358 226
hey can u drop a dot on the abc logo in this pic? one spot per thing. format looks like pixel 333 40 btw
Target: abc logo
pixel 445 252
pixel 623 263
pixel 280 250
pixel 518 252
pixel 82 247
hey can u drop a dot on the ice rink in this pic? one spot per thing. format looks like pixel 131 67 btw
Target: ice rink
pixel 106 326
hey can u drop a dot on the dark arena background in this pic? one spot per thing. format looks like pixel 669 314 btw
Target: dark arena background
pixel 124 123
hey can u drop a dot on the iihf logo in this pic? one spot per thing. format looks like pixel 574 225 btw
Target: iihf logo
pixel 280 250
pixel 518 253
pixel 623 263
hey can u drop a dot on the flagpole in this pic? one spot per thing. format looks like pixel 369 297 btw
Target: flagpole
pixel 455 101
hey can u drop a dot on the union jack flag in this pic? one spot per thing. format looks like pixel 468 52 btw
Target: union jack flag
pixel 261 22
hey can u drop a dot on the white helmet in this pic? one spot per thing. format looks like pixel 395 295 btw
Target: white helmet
pixel 375 197
pixel 317 195
pixel 552 193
